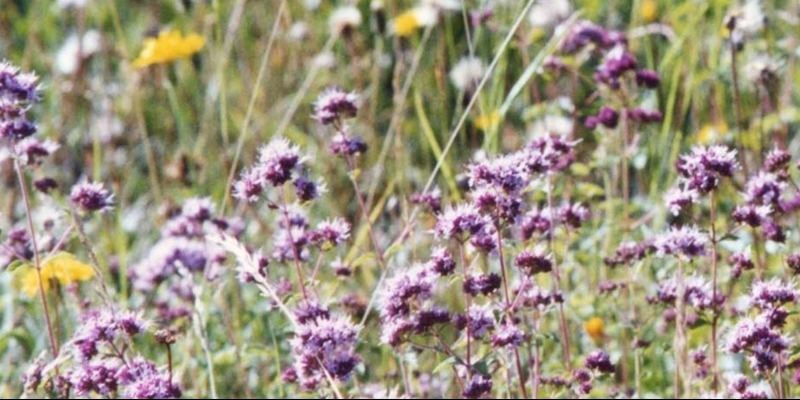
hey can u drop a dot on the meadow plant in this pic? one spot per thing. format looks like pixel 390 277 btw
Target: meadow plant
pixel 413 199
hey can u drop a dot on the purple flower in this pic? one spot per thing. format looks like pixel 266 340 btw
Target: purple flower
pixel 479 320
pixel 16 86
pixel 704 166
pixel 455 222
pixel 777 160
pixel 481 284
pixel 752 215
pixel 647 78
pixel 755 334
pixel 92 197
pixel 478 386
pixel 45 185
pixel 508 173
pixel 764 188
pixel 507 335
pixel 549 154
pixel 143 381
pixel 442 262
pixel 573 215
pixel 343 145
pixel 772 293
pixel 599 360
pixel 741 262
pixel 307 190
pixel 793 262
pixel 31 151
pixel 330 233
pixel 416 282
pixel 607 117
pixel 325 346
pixel 432 200
pixel 425 319
pixel 535 221
pixel 643 115
pixel 628 252
pixel 95 377
pixel 685 242
pixel 534 262
pixel 678 199
pixel 334 105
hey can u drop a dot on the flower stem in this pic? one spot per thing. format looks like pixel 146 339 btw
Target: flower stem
pixel 36 258
pixel 557 279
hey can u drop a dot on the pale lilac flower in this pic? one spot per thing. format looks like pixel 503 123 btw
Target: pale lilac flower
pixel 331 232
pixel 92 196
pixel 777 160
pixel 477 387
pixel 764 188
pixel 31 151
pixel 455 222
pixel 533 262
pixel 752 215
pixel 334 105
pixel 325 346
pixel 704 166
pixel 679 199
pixel 507 335
pixel 686 242
pixel 480 320
pixel 772 293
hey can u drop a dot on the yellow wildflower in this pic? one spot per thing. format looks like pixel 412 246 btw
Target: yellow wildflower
pixel 61 267
pixel 649 10
pixel 169 46
pixel 594 328
pixel 712 132
pixel 487 122
pixel 406 23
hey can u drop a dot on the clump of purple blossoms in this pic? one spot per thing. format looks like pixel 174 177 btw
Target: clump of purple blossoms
pixel 277 163
pixel 18 91
pixel 702 169
pixel 760 336
pixel 599 361
pixel 92 196
pixel 334 105
pixel 324 346
pixel 685 242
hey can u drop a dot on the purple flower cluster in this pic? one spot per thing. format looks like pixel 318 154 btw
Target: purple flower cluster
pixel 100 329
pixel 334 106
pixel 182 251
pixel 324 345
pixel 696 292
pixel 277 164
pixel 599 361
pixel 685 242
pixel 702 169
pixel 18 91
pixel 404 307
pixel 760 336
pixel 92 196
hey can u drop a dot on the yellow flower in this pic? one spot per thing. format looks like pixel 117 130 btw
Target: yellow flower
pixel 649 10
pixel 594 328
pixel 711 132
pixel 61 267
pixel 487 122
pixel 406 23
pixel 169 46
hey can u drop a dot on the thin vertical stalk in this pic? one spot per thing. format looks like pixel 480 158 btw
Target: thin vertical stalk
pixel 715 312
pixel 36 258
pixel 557 277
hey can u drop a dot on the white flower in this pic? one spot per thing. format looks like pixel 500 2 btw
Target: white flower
pixel 73 50
pixel 545 14
pixel 343 19
pixel 467 73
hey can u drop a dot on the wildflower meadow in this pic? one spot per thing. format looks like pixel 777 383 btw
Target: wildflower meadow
pixel 399 199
